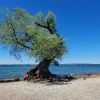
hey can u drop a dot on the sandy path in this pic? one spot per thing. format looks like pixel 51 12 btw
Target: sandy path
pixel 80 89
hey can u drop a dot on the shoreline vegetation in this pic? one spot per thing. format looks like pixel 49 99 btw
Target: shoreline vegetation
pixel 66 78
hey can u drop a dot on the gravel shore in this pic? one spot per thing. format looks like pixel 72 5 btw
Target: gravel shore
pixel 80 89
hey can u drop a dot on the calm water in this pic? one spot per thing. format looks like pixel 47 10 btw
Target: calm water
pixel 14 71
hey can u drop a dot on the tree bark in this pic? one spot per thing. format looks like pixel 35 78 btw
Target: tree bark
pixel 41 70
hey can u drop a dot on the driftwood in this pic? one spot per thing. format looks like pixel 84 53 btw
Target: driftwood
pixel 9 80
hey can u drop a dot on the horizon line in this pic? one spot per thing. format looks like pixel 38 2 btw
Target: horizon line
pixel 59 63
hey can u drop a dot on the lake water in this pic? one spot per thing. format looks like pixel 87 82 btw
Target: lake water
pixel 14 71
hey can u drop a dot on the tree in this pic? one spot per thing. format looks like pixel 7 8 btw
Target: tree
pixel 35 36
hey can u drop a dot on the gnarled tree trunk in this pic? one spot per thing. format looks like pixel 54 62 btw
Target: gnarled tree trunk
pixel 41 70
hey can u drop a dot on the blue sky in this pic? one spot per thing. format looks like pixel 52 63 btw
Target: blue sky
pixel 77 20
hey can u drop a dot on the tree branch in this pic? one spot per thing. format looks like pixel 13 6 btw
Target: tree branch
pixel 46 27
pixel 17 41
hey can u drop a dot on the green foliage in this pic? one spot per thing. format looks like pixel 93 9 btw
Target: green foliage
pixel 36 35
pixel 47 45
pixel 17 79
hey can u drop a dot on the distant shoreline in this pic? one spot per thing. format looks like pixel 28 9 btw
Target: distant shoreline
pixel 51 64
